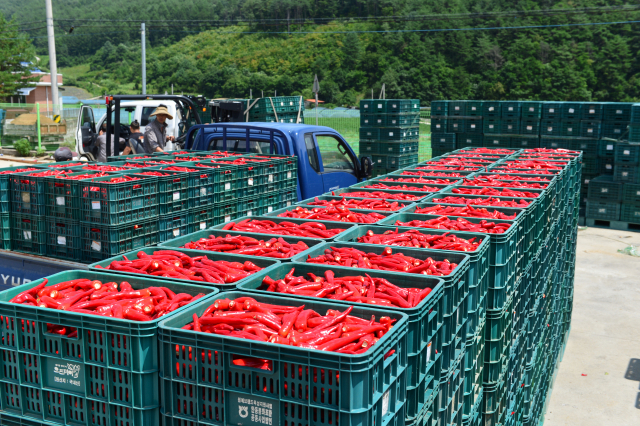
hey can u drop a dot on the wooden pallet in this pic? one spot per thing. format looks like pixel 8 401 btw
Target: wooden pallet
pixel 613 224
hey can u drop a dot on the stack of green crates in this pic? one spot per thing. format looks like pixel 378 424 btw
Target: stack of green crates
pixel 279 109
pixel 389 132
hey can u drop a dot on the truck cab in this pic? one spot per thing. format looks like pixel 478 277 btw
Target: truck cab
pixel 326 161
pixel 88 128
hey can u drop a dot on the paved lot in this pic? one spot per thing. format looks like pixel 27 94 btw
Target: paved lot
pixel 598 382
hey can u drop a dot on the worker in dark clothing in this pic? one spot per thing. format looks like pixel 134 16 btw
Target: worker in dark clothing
pixel 101 141
pixel 135 144
pixel 155 133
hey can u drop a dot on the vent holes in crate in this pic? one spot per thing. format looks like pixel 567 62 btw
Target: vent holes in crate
pixel 10 365
pixel 8 337
pixel 12 395
pixel 95 346
pixel 32 397
pixel 212 404
pixel 185 399
pixel 97 381
pixel 98 413
pixel 29 334
pixel 76 409
pixel 30 368
pixel 54 404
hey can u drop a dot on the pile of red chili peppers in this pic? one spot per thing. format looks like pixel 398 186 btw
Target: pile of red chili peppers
pixel 355 203
pixel 27 169
pixel 174 264
pixel 466 168
pixel 83 176
pixel 439 173
pixel 246 318
pixel 120 179
pixel 486 181
pixel 459 224
pixel 494 202
pixel 423 180
pixel 62 166
pixel 505 192
pixel 93 297
pixel 491 150
pixel 239 244
pixel 523 171
pixel 333 213
pixel 49 172
pixel 415 238
pixel 380 194
pixel 306 229
pixel 388 261
pixel 403 187
pixel 465 211
pixel 512 177
pixel 104 168
pixel 358 288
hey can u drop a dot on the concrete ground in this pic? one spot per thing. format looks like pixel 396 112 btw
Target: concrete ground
pixel 598 382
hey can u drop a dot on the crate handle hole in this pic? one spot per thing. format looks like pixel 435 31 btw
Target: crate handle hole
pixel 62 331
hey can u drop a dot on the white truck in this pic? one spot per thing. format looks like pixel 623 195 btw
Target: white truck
pixel 136 107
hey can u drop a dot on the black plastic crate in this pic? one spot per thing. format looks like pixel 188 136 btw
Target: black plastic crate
pixel 627 153
pixel 614 129
pixel 591 129
pixel 631 194
pixel 511 126
pixel 469 139
pixel 551 110
pixel 619 111
pixel 438 124
pixel 63 239
pixel 570 128
pixel 592 111
pixel 497 141
pixel 511 109
pixel 104 241
pixel 604 188
pixel 589 147
pixel 519 142
pixel 571 110
pixel 550 127
pixel 174 225
pixel 603 211
pixel 630 213
pixel 438 108
pixel 531 109
pixel 473 125
pixel 606 148
pixel 530 127
pixel 29 234
pixel 627 173
pixel 491 108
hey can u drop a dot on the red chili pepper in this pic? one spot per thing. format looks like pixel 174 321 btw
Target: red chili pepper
pixel 382 195
pixel 306 229
pixel 459 224
pixel 403 187
pixel 24 170
pixel 275 247
pixel 355 203
pixel 490 201
pixel 333 213
pixel 422 180
pixel 464 211
pixel 485 181
pixel 436 173
pixel 505 192
pixel 415 238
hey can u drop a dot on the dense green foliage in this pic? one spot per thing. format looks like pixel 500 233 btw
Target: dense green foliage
pixel 557 63
pixel 15 53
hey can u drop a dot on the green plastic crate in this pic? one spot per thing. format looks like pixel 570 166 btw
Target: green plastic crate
pixel 491 109
pixel 626 173
pixel 63 239
pixel 324 224
pixel 109 373
pixel 130 157
pixel 118 203
pixel 438 124
pixel 614 129
pixel 571 110
pixel 29 234
pixel 399 134
pixel 438 108
pixel 370 133
pixel 589 147
pixel 104 241
pixel 530 127
pixel 511 109
pixel 531 109
pixel 631 194
pixel 368 148
pixel 423 320
pixel 397 148
pixel 473 126
pixel 604 188
pixel 497 141
pixel 5 184
pixel 5 231
pixel 492 125
pixel 619 111
pixel 365 380
pixel 458 108
pixel 527 142
pixel 510 125
pixel 261 262
pixel 28 193
pixel 173 225
pixel 627 154
pixel 551 127
pixel 630 213
pixel 172 191
pixel 591 129
pixel 456 125
pixel 603 210
pixel 469 139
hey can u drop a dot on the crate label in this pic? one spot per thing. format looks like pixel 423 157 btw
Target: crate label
pixel 96 246
pixel 416 106
pixel 429 352
pixel 586 181
pixel 625 174
pixel 551 110
pixel 617 130
pixel 203 192
pixel 469 141
pixel 604 190
pixel 385 403
pixel 525 142
pixel 59 201
pixel 589 130
pixel 529 127
pixel 251 410
pixel 491 126
pixel 138 242
pixel 62 240
pixel 618 111
pixel 366 121
pixel 203 225
pixel 26 197
pixel 549 129
pixel 379 105
pixel 496 142
pixel 390 133
pixel 531 109
pixel 227 186
pixel 608 166
pixel 602 210
pixel 366 106
pixel 394 105
pixel 269 209
pixel 592 111
pixel 270 178
pixel 64 375
pixel 626 152
pixel 554 144
pixel 636 213
pixel 570 129
pixel 490 108
pixel 176 196
pixel 288 203
pixel 176 232
pixel 249 212
pixel 509 126
pixel 473 126
pixel 26 235
pixel 379 121
pixel 457 108
pixel 609 147
pixel 510 108
pixel 638 193
pixel 393 121
pixel 250 181
pixel 583 146
pixel 571 110
pixel 227 218
pixel 95 205
pixel 138 203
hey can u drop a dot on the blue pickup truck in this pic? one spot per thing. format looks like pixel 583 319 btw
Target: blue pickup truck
pixel 325 162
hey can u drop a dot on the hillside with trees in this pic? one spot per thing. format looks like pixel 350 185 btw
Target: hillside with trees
pixel 598 62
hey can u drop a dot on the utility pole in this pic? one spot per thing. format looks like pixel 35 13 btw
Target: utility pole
pixel 144 61
pixel 52 57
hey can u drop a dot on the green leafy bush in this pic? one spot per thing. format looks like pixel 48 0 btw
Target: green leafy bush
pixel 23 147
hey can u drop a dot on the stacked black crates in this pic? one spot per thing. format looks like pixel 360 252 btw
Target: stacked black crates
pixel 279 109
pixel 389 132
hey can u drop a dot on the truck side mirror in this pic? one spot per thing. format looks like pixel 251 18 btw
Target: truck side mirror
pixel 366 167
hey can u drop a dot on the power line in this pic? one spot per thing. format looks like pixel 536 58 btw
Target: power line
pixel 521 27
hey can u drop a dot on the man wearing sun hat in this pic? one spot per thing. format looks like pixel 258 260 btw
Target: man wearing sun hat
pixel 155 133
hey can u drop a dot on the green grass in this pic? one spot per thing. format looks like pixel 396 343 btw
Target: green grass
pixel 75 72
